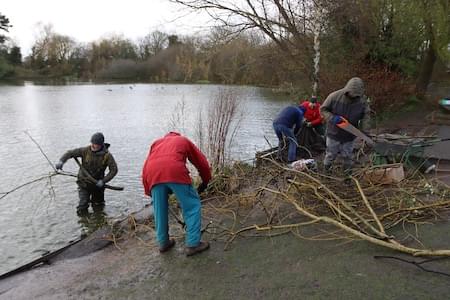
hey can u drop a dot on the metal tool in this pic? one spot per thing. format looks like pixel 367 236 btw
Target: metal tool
pixel 347 126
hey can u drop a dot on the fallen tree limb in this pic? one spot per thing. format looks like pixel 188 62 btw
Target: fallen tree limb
pixel 388 244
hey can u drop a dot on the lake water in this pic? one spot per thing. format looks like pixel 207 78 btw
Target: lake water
pixel 41 217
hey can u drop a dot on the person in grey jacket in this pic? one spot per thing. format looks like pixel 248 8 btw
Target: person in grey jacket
pixel 349 103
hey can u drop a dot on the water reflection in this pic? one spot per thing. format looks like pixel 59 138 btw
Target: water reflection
pixel 91 221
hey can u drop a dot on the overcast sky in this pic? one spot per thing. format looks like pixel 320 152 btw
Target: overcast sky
pixel 88 20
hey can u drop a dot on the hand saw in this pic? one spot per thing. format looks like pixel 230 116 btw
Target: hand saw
pixel 347 126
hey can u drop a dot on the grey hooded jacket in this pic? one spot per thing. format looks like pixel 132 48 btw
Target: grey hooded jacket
pixel 350 103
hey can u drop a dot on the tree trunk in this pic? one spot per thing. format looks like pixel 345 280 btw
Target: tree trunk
pixel 429 59
pixel 426 71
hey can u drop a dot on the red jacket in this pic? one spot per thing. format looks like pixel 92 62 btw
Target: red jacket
pixel 166 162
pixel 312 114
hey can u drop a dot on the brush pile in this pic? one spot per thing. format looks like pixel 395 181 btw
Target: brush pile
pixel 273 199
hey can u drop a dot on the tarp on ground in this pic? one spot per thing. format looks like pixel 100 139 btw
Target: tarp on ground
pixel 308 138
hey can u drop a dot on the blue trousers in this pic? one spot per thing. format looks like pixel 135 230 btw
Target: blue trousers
pixel 190 205
pixel 281 130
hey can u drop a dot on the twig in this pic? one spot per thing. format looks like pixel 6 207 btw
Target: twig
pixel 415 263
pixel 42 151
pixel 27 183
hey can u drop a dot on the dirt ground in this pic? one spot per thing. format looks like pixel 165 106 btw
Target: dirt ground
pixel 282 267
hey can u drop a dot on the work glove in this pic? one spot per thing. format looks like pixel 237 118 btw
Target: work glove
pixel 308 124
pixel 202 187
pixel 59 165
pixel 100 184
pixel 337 119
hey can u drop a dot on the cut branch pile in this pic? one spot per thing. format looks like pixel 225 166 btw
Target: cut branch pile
pixel 273 200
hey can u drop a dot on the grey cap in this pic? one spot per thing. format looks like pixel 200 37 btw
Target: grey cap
pixel 98 138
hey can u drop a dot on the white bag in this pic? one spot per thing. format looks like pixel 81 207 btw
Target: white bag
pixel 303 164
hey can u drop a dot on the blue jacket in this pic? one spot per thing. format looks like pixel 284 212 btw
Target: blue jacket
pixel 289 117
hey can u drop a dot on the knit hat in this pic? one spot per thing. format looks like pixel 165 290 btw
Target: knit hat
pixel 313 99
pixel 98 138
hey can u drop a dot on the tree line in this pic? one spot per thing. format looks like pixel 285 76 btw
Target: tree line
pixel 394 45
pixel 10 56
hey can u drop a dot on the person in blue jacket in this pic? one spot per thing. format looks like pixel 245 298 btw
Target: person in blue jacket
pixel 288 123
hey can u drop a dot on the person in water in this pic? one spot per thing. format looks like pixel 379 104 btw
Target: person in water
pixel 95 159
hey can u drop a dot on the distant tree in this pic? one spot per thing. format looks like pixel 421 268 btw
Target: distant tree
pixel 108 49
pixel 4 25
pixel 173 40
pixel 152 44
pixel 120 69
pixel 191 58
pixel 15 56
pixel 5 67
pixel 79 59
pixel 6 70
pixel 51 52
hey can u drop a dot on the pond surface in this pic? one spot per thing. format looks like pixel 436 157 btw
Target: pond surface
pixel 42 217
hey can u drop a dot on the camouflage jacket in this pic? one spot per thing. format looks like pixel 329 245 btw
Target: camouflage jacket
pixel 93 162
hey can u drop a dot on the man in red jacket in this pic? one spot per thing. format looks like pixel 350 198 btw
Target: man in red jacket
pixel 164 172
pixel 312 115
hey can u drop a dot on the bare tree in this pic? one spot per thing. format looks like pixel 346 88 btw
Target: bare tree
pixel 178 117
pixel 4 25
pixel 290 24
pixel 222 125
pixel 287 23
pixel 52 50
pixel 152 44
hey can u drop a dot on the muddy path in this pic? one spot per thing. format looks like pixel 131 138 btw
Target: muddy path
pixel 258 268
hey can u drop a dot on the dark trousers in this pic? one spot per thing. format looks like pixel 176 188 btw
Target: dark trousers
pixel 282 130
pixel 320 129
pixel 93 196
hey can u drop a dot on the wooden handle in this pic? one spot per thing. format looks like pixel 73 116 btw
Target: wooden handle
pixel 93 180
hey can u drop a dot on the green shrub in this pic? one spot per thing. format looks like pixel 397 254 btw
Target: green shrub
pixel 6 70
